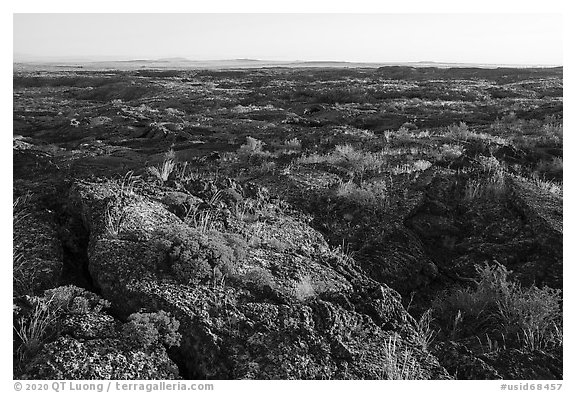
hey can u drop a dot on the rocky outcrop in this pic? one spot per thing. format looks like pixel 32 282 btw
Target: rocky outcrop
pixel 81 341
pixel 535 365
pixel 259 296
pixel 543 211
pixel 386 249
pixel 462 363
pixel 521 229
pixel 37 252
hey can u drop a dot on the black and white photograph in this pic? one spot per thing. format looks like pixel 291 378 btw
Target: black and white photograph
pixel 286 196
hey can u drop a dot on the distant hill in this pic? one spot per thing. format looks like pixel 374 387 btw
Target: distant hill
pixel 25 62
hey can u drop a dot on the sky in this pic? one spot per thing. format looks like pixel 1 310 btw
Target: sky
pixel 459 38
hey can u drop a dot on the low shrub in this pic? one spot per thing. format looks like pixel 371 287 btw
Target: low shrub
pixel 549 186
pixel 458 131
pixel 253 151
pixel 448 152
pixel 193 257
pixel 148 329
pixel 358 161
pixel 489 183
pixel 367 193
pixel 292 144
pixel 502 311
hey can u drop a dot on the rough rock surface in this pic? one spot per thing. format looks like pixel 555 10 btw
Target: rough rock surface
pixel 290 309
pixel 543 211
pixel 522 229
pixel 88 343
pixel 37 262
pixel 463 363
pixel 387 250
pixel 515 364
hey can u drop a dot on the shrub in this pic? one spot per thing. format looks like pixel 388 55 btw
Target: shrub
pixel 367 193
pixel 553 167
pixel 449 152
pixel 546 185
pixel 491 183
pixel 416 166
pixel 293 144
pixel 553 130
pixel 458 131
pixel 148 329
pixel 360 162
pixel 198 258
pixel 252 150
pixel 404 135
pixel 503 312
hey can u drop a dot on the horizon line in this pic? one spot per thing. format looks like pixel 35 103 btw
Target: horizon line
pixel 175 59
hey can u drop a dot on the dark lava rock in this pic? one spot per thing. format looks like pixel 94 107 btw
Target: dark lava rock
pixel 81 341
pixel 543 212
pixel 279 305
pixel 516 364
pixel 69 358
pixel 521 229
pixel 37 261
pixel 462 363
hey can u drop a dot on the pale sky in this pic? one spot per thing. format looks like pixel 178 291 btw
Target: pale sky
pixel 462 38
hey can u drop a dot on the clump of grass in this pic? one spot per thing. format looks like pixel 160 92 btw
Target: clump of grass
pixel 404 135
pixel 252 146
pixel 347 156
pixel 127 184
pixel 553 130
pixel 491 183
pixel 508 314
pixel 115 213
pixel 449 152
pixel 253 150
pixel 19 208
pixel 358 160
pixel 458 131
pixel 185 174
pixel 267 167
pixel 41 322
pixel 293 144
pixel 546 185
pixel 23 281
pixel 114 218
pixel 413 167
pixel 399 364
pixel 367 193
pixel 163 170
pixel 425 329
pixel 34 328
pixel 203 221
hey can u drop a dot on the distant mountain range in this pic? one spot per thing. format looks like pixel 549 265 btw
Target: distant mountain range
pixel 24 61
